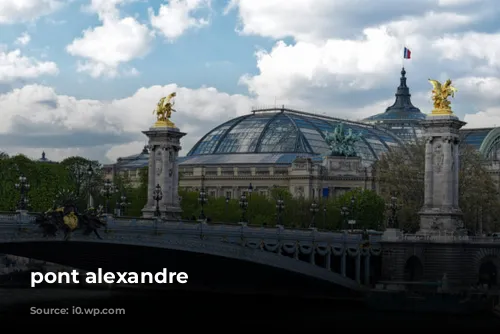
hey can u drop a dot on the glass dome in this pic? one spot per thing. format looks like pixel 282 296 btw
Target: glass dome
pixel 284 133
pixel 402 118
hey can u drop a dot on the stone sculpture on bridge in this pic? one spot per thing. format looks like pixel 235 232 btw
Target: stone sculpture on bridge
pixel 164 146
pixel 66 219
pixel 164 111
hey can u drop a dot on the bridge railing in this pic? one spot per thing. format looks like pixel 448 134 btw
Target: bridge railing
pixel 445 238
pixel 187 228
pixel 227 231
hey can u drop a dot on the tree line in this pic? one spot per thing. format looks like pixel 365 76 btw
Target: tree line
pixel 399 173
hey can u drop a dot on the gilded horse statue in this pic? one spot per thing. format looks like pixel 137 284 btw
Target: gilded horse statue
pixel 440 95
pixel 164 110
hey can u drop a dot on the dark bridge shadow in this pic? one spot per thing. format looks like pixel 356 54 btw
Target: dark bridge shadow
pixel 206 272
pixel 488 273
pixel 414 270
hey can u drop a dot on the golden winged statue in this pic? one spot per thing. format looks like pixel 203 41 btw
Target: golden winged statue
pixel 440 95
pixel 164 110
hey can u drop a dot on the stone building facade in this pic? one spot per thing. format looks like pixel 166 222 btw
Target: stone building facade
pixel 281 147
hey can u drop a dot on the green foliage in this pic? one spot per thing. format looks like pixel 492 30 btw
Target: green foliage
pixel 401 173
pixel 368 210
pixel 45 180
pixel 57 182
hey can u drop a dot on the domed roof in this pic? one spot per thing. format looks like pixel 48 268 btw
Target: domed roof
pixel 278 135
pixel 402 109
pixel 134 161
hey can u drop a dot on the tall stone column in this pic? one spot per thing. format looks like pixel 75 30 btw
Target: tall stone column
pixel 163 170
pixel 151 175
pixel 441 211
pixel 428 172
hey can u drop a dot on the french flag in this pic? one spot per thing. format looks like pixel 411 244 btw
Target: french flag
pixel 407 53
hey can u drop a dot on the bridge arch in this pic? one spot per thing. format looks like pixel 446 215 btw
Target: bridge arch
pixel 487 263
pixel 170 250
pixel 414 269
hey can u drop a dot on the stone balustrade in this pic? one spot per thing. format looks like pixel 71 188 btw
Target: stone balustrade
pixel 444 238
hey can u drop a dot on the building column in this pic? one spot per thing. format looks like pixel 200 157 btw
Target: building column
pixel 151 175
pixel 447 165
pixel 428 178
pixel 456 170
pixel 367 269
pixel 358 267
pixel 175 176
pixel 164 178
pixel 343 263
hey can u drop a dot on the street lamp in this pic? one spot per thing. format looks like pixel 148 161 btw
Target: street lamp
pixel 243 206
pixel 227 204
pixel 157 196
pixel 107 192
pixel 393 206
pixel 202 198
pixel 344 212
pixel 280 206
pixel 90 173
pixel 324 215
pixel 122 205
pixel 23 186
pixel 314 209
pixel 353 201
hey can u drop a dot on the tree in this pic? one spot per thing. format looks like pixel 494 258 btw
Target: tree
pixel 400 173
pixel 261 211
pixel 46 180
pixel 367 210
pixel 81 182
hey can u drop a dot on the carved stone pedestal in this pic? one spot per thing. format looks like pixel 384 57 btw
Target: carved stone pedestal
pixel 392 234
pixel 164 147
pixel 441 212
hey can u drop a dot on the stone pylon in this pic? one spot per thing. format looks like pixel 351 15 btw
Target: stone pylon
pixel 441 211
pixel 164 146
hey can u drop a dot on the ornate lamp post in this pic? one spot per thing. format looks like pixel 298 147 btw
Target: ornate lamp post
pixel 202 198
pixel 122 205
pixel 157 196
pixel 353 201
pixel 314 209
pixel 243 206
pixel 23 186
pixel 90 173
pixel 107 192
pixel 344 212
pixel 226 206
pixel 324 215
pixel 280 206
pixel 393 218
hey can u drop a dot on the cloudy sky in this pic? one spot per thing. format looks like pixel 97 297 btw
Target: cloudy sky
pixel 81 77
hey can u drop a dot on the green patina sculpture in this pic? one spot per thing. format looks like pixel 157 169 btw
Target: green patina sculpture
pixel 342 142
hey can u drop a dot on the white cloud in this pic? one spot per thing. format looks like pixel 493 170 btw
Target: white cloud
pixel 36 118
pixel 117 41
pixel 14 11
pixel 14 66
pixel 340 57
pixel 176 17
pixel 24 39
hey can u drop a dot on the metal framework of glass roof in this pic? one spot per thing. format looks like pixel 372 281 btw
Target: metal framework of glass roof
pixel 286 131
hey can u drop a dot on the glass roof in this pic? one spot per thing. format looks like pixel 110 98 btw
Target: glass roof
pixel 288 131
pixel 474 137
pixel 134 161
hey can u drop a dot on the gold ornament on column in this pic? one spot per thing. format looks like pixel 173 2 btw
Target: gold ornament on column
pixel 440 95
pixel 163 112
